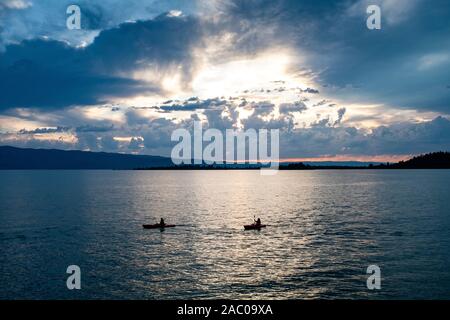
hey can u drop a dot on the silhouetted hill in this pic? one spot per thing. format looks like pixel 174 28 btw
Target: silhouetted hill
pixel 436 160
pixel 18 158
pixel 341 163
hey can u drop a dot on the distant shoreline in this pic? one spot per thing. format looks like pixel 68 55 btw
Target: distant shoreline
pixel 224 169
pixel 312 168
pixel 12 158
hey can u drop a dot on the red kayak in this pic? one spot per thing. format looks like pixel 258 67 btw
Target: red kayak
pixel 254 226
pixel 157 226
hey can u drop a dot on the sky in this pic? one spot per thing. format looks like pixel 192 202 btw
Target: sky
pixel 139 69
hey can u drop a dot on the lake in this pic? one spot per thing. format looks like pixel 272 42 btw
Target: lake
pixel 324 229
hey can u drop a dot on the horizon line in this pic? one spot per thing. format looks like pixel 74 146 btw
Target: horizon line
pixel 324 158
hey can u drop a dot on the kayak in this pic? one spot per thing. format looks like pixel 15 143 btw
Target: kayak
pixel 254 226
pixel 157 226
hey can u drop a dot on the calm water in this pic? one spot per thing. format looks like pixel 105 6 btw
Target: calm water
pixel 326 227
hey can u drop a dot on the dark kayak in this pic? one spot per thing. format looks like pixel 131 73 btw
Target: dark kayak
pixel 157 226
pixel 254 226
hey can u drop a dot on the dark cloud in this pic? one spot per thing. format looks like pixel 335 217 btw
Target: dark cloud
pixel 341 113
pixel 381 66
pixel 310 90
pixel 261 23
pixel 136 144
pixel 262 108
pixel 321 123
pixel 352 62
pixel 51 74
pixel 321 103
pixel 397 139
pixel 109 143
pixel 92 128
pixel 28 19
pixel 161 42
pixel 156 134
pixel 93 16
pixel 59 129
pixel 193 104
pixel 44 130
pixel 298 106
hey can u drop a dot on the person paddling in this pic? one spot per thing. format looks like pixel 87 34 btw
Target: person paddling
pixel 161 225
pixel 256 225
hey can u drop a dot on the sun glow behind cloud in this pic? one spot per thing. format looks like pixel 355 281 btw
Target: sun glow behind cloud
pixel 211 78
pixel 235 76
pixel 254 77
pixel 216 72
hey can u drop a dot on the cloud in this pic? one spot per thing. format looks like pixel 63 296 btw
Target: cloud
pixel 91 128
pixel 25 20
pixel 26 83
pixel 14 4
pixel 50 74
pixel 44 130
pixel 379 66
pixel 321 103
pixel 341 113
pixel 136 144
pixel 60 129
pixel 393 11
pixel 433 60
pixel 193 104
pixel 287 108
pixel 399 139
pixel 262 108
pixel 325 137
pixel 310 90
pixel 352 63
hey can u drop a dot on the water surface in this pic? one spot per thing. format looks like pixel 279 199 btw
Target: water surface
pixel 325 228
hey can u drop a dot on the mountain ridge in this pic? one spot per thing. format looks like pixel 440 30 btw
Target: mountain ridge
pixel 28 158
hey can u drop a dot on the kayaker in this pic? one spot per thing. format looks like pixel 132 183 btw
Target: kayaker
pixel 258 222
pixel 161 222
